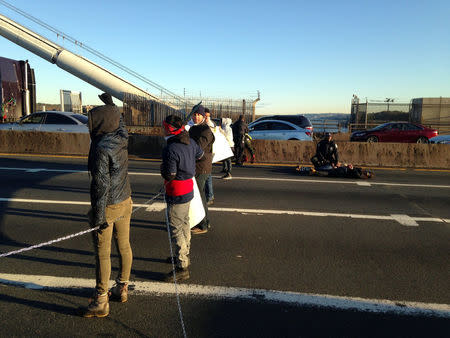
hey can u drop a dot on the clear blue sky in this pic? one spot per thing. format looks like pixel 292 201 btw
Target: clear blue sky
pixel 304 56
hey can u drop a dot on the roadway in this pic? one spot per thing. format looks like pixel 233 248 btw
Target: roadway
pixel 287 255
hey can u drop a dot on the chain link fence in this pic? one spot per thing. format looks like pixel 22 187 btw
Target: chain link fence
pixel 142 112
pixel 431 112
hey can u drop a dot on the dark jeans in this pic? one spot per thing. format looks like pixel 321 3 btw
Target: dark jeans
pixel 227 165
pixel 201 182
pixel 209 192
pixel 238 151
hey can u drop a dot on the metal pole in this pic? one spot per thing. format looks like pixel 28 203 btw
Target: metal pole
pixel 367 109
pixel 254 107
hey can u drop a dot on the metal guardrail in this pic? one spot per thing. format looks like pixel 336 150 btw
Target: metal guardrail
pixel 333 126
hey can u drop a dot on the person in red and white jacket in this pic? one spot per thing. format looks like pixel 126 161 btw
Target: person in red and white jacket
pixel 178 169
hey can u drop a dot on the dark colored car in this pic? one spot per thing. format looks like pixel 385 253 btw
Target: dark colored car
pixel 297 119
pixel 405 132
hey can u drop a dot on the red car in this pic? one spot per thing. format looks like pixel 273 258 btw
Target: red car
pixel 395 132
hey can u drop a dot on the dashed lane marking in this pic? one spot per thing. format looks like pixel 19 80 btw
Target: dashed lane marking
pixel 160 206
pixel 274 179
pixel 261 295
pixel 405 220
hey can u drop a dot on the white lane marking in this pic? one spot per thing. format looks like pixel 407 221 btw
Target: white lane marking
pixel 36 170
pixel 297 298
pixel 331 181
pixel 156 206
pixel 160 206
pixel 23 200
pixel 405 220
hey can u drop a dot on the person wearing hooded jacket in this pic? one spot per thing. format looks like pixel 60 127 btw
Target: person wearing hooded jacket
pixel 202 134
pixel 178 169
pixel 111 203
pixel 240 128
pixel 228 132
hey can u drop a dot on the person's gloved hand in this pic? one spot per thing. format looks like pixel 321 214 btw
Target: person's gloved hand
pixel 102 227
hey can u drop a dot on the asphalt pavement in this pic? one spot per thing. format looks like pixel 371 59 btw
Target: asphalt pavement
pixel 287 255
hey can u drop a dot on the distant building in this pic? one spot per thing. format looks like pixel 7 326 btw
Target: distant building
pixel 71 101
pixel 17 90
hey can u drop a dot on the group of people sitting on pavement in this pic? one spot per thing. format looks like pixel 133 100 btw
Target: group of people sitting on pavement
pixel 326 162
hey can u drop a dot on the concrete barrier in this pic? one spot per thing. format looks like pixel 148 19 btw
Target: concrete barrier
pixel 409 155
pixel 34 142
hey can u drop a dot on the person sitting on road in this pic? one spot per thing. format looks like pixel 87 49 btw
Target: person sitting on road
pixel 342 171
pixel 327 156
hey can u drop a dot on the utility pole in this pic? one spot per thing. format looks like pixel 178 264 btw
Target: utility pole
pixel 254 107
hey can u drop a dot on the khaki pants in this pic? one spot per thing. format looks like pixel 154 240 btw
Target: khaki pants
pixel 118 218
pixel 180 232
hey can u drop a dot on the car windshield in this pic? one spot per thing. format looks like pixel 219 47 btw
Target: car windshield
pixel 83 119
pixel 381 126
pixel 299 120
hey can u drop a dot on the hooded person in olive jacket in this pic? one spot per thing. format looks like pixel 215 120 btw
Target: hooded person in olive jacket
pixel 111 203
pixel 202 134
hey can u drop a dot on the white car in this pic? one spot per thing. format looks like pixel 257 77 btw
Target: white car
pixel 52 121
pixel 443 139
pixel 278 130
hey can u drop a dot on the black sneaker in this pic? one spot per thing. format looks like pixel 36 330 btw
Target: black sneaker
pixel 227 176
pixel 180 275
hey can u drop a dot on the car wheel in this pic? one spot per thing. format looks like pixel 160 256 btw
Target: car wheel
pixel 422 140
pixel 372 139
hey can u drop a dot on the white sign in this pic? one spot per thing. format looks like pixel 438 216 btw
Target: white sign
pixel 196 210
pixel 221 148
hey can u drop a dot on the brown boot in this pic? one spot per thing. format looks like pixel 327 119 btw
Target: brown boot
pixel 119 292
pixel 98 306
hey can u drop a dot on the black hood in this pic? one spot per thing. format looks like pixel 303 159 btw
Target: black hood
pixel 106 99
pixel 103 120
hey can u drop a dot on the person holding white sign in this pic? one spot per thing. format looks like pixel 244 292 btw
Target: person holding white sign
pixel 202 134
pixel 209 186
pixel 228 132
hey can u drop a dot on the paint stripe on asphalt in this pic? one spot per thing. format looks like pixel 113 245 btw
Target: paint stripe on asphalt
pixel 23 200
pixel 295 298
pixel 405 220
pixel 312 180
pixel 160 206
